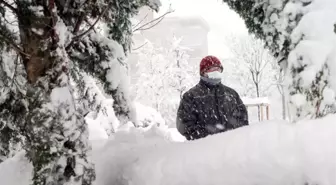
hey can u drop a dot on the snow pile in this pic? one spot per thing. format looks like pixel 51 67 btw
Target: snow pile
pixel 104 124
pixel 16 171
pixel 97 132
pixel 273 153
pixel 126 147
pixel 147 116
pixel 105 117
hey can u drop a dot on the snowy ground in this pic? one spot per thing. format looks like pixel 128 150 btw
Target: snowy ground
pixel 269 153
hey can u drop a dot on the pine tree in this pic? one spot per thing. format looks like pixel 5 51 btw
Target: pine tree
pixel 12 108
pixel 276 22
pixel 55 41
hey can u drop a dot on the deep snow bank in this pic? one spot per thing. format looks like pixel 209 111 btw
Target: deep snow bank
pixel 270 153
pixel 16 171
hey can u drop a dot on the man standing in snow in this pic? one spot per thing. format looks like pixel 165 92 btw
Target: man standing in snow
pixel 210 107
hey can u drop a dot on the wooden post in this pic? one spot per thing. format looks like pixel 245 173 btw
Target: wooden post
pixel 267 112
pixel 261 112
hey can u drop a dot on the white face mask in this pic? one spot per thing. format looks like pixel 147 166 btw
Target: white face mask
pixel 215 75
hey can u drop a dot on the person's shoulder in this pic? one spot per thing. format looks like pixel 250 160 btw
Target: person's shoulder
pixel 191 92
pixel 230 90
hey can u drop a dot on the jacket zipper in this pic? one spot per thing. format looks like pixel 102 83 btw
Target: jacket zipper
pixel 217 106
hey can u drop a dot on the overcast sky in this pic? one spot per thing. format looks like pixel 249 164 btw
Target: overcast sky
pixel 221 19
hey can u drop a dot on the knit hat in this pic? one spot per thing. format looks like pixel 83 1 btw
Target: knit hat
pixel 208 62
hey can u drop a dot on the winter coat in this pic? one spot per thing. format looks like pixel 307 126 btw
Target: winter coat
pixel 209 109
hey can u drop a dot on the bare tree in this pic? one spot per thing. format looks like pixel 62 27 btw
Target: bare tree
pixel 249 52
pixel 141 25
pixel 255 62
pixel 144 24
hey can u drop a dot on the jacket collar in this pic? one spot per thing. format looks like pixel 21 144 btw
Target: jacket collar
pixel 204 83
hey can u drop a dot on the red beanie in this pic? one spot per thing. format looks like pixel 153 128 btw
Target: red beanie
pixel 208 62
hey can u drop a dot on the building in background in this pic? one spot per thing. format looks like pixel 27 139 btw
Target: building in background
pixel 193 30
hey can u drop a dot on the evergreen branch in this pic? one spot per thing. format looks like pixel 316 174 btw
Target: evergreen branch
pixel 15 69
pixel 76 38
pixel 8 6
pixel 14 22
pixel 90 24
pixel 79 22
pixel 13 45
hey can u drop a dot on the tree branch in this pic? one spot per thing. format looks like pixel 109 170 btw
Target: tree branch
pixel 8 6
pixel 140 21
pixel 79 23
pixel 15 69
pixel 80 20
pixel 14 46
pixel 142 45
pixel 156 20
pixel 76 38
pixel 90 24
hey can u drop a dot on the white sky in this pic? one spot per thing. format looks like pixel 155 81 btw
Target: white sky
pixel 221 19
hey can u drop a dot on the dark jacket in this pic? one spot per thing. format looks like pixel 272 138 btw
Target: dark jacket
pixel 209 109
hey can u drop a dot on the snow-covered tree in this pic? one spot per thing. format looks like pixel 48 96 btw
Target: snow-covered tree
pixel 12 108
pixel 301 32
pixel 256 72
pixel 96 104
pixel 182 73
pixel 54 41
pixel 163 74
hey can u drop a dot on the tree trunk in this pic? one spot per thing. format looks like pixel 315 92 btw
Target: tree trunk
pixel 56 135
pixel 283 98
pixel 258 95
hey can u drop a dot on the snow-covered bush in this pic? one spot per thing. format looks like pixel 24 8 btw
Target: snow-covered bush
pixel 302 34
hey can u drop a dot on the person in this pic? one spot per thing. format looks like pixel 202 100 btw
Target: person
pixel 210 107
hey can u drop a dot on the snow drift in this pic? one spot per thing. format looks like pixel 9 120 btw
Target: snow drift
pixel 269 153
